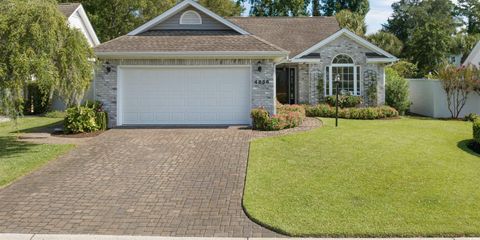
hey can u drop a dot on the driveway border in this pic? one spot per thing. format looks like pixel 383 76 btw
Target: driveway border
pixel 10 236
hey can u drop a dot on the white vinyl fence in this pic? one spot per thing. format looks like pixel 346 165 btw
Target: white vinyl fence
pixel 429 99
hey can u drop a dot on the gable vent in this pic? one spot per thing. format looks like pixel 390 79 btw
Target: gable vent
pixel 190 18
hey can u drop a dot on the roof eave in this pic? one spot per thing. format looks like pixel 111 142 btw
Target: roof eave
pixel 381 60
pixel 186 55
pixel 88 24
pixel 350 34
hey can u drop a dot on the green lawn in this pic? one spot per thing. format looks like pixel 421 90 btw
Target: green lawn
pixel 382 178
pixel 19 158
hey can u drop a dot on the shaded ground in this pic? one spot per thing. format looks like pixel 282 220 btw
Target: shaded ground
pixel 18 158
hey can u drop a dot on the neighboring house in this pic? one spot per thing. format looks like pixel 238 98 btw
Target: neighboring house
pixel 191 66
pixel 77 18
pixel 455 59
pixel 474 56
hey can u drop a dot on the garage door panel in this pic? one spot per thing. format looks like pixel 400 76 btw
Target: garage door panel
pixel 206 95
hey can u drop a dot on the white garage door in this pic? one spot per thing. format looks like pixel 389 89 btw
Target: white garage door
pixel 184 95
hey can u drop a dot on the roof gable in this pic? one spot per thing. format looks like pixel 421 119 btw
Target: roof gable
pixel 68 9
pixel 474 56
pixel 77 18
pixel 344 32
pixel 175 21
pixel 173 15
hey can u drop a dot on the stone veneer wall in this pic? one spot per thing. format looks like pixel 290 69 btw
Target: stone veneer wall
pixel 262 94
pixel 309 73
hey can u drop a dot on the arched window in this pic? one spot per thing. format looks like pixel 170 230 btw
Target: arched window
pixel 190 18
pixel 342 66
pixel 342 59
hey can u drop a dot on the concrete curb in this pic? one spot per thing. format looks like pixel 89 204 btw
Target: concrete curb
pixel 10 236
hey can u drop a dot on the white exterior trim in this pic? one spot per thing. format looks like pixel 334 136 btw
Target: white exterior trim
pixel 120 81
pixel 379 60
pixel 193 12
pixel 180 7
pixel 86 21
pixel 351 35
pixel 307 60
pixel 339 64
pixel 474 54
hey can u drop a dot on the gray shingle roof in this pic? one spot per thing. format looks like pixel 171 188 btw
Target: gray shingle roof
pixel 294 34
pixel 286 34
pixel 186 41
pixel 68 8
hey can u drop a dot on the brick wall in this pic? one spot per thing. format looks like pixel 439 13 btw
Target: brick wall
pixel 262 91
pixel 309 72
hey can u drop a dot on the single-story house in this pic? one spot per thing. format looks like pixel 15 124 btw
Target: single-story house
pixel 77 18
pixel 192 66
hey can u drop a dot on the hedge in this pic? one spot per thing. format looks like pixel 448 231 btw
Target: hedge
pixel 344 101
pixel 476 130
pixel 288 116
pixel 325 110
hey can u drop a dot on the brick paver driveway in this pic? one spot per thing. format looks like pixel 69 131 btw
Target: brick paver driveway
pixel 168 182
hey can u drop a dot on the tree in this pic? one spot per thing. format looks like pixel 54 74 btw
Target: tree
pixel 352 21
pixel 470 9
pixel 429 46
pixel 223 7
pixel 405 69
pixel 75 68
pixel 464 43
pixel 457 83
pixel 316 8
pixel 332 7
pixel 278 7
pixel 113 18
pixel 425 27
pixel 396 91
pixel 387 41
pixel 33 35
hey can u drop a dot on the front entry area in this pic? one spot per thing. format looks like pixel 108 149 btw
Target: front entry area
pixel 188 95
pixel 286 85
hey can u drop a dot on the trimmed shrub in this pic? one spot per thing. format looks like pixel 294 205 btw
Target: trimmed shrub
pixel 344 101
pixel 476 130
pixel 288 116
pixel 396 91
pixel 320 110
pixel 89 117
pixel 260 118
pixel 323 110
pixel 471 117
pixel 80 120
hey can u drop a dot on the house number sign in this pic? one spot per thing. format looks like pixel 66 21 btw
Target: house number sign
pixel 262 82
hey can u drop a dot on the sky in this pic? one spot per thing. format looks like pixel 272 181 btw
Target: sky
pixel 379 12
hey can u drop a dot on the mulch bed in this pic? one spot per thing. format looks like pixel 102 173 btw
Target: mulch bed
pixel 77 135
pixel 474 146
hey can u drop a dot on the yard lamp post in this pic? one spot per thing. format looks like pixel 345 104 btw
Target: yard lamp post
pixel 337 83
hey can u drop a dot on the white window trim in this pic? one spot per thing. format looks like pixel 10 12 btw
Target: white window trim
pixel 330 77
pixel 190 11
